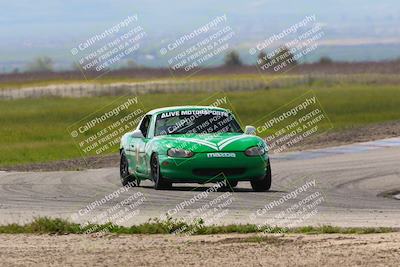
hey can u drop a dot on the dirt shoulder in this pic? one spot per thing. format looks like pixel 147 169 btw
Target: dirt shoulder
pixel 329 139
pixel 213 250
pixel 353 135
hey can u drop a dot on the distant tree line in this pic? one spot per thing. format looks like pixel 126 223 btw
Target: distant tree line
pixel 265 61
pixel 279 56
pixel 41 64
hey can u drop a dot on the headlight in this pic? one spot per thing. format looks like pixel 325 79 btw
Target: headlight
pixel 255 151
pixel 179 153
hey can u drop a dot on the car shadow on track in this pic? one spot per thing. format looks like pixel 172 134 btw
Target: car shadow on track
pixel 203 188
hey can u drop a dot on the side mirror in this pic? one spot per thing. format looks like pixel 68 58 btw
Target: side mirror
pixel 251 130
pixel 137 134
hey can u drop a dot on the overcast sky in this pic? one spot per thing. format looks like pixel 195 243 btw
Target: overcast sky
pixel 29 28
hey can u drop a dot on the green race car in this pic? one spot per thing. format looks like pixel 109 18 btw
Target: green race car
pixel 194 144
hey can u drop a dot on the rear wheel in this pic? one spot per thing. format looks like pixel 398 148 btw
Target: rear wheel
pixel 159 182
pixel 125 175
pixel 264 183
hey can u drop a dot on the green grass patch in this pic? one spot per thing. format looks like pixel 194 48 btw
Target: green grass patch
pixel 46 225
pixel 35 130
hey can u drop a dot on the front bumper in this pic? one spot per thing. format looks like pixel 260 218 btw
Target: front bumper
pixel 201 169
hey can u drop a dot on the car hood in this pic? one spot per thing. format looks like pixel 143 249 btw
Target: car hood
pixel 210 142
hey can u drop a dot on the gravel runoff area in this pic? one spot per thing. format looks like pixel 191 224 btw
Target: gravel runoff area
pixel 211 250
pixel 348 136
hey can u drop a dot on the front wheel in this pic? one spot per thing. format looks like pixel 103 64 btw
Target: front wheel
pixel 263 184
pixel 159 181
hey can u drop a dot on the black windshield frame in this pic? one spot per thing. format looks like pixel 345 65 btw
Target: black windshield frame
pixel 195 122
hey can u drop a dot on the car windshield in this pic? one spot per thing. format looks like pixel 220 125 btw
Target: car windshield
pixel 196 121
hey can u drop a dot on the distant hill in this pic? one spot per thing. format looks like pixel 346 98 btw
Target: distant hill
pixel 52 27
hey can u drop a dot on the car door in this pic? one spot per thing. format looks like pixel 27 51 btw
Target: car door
pixel 130 151
pixel 141 146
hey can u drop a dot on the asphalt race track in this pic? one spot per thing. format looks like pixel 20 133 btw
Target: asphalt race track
pixel 344 186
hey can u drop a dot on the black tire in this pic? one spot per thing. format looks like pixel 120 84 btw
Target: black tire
pixel 125 176
pixel 264 183
pixel 159 182
pixel 233 183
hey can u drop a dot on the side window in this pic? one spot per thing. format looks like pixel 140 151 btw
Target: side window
pixel 144 126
